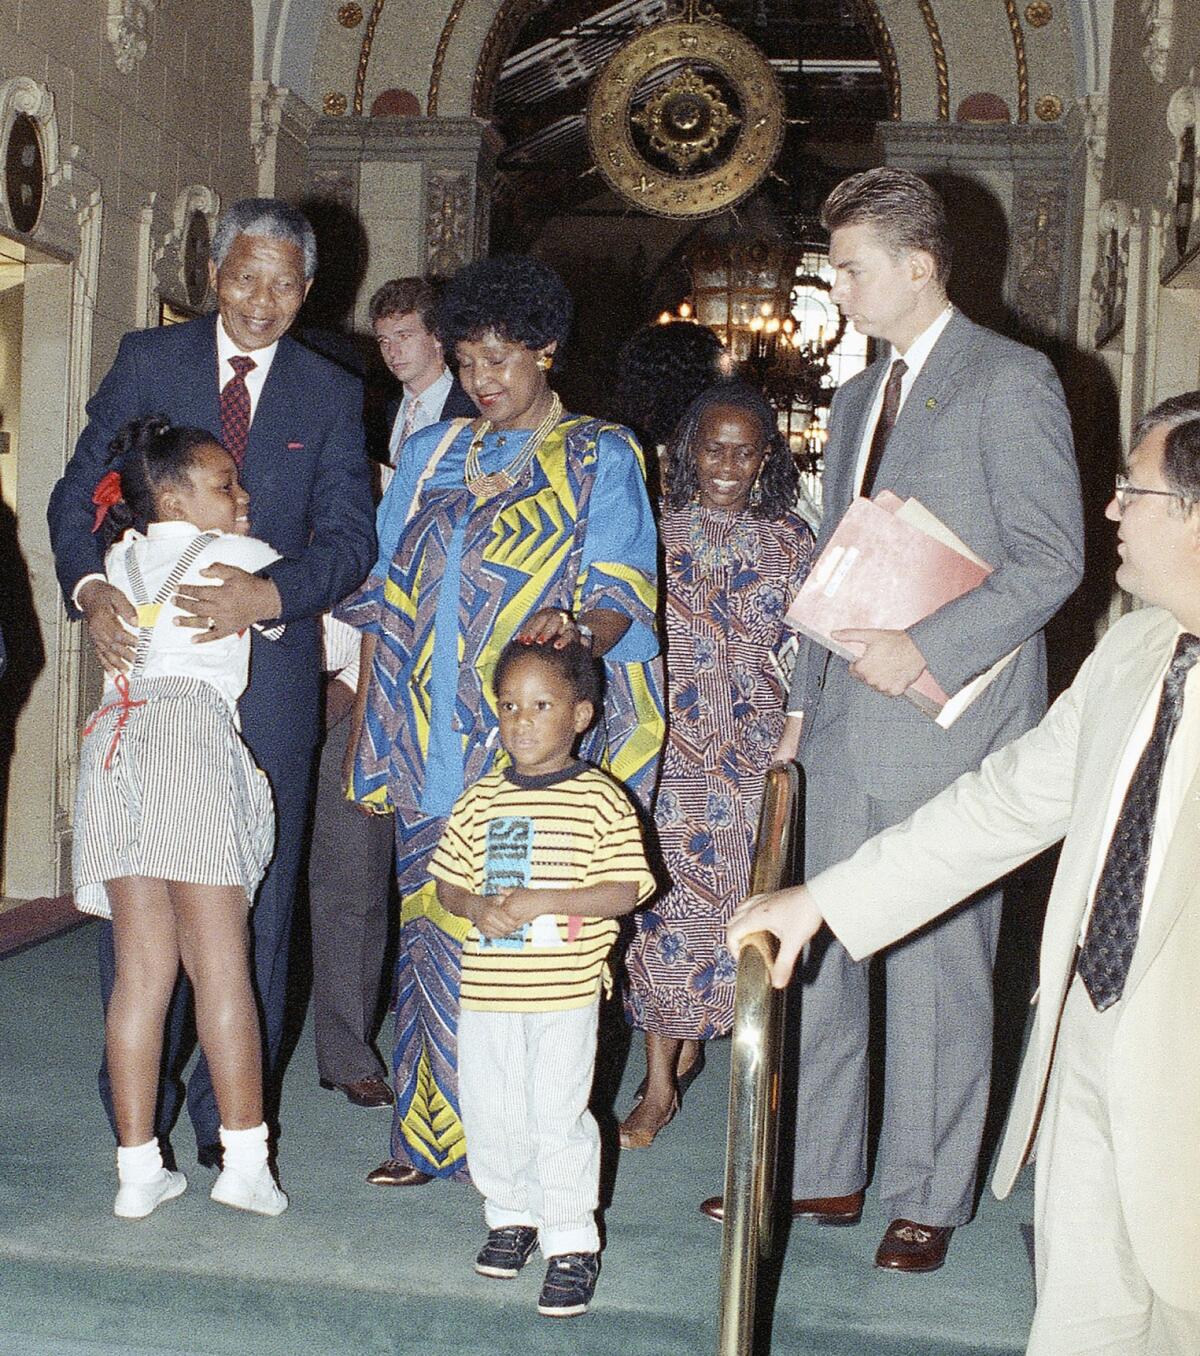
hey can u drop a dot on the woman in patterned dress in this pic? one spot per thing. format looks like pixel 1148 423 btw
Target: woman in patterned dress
pixel 526 521
pixel 735 556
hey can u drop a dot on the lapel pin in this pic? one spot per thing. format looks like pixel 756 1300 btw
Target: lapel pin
pixel 931 404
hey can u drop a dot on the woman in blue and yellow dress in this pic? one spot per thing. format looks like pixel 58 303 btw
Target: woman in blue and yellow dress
pixel 528 522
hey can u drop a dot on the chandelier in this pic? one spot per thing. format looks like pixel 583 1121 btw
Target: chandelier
pixel 758 297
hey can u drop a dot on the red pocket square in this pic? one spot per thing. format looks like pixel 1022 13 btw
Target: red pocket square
pixel 295 447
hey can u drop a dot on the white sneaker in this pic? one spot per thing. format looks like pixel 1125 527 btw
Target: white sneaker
pixel 259 1194
pixel 135 1200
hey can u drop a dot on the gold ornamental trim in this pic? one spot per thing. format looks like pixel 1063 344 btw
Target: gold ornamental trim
pixel 702 43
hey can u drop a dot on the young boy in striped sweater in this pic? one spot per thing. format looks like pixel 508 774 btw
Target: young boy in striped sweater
pixel 543 857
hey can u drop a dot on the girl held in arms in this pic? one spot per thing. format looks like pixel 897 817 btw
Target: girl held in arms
pixel 174 823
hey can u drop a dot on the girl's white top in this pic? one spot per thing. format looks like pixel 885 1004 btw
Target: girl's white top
pixel 173 651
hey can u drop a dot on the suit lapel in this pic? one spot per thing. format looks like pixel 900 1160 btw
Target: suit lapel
pixel 198 401
pixel 274 416
pixel 839 485
pixel 913 434
pixel 1176 885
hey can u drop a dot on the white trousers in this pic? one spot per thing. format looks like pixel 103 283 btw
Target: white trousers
pixel 1093 1298
pixel 533 1147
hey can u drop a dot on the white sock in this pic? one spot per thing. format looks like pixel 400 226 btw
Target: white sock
pixel 139 1164
pixel 245 1150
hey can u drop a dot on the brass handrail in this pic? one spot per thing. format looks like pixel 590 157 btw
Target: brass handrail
pixel 754 1079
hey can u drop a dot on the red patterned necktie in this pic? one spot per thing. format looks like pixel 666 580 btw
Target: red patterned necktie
pixel 887 419
pixel 235 408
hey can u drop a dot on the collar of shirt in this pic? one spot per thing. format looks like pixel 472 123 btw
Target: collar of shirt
pixel 914 359
pixel 256 377
pixel 171 527
pixel 918 352
pixel 429 409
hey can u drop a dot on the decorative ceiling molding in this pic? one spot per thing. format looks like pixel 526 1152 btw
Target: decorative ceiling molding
pixel 941 69
pixel 1018 41
pixel 439 56
pixel 364 56
pixel 886 49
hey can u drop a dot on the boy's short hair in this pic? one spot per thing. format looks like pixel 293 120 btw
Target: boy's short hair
pixel 574 662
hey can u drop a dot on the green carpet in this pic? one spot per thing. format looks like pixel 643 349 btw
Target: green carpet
pixel 352 1268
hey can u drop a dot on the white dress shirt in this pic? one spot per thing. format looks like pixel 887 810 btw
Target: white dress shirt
pixel 428 411
pixel 914 359
pixel 257 376
pixel 224 663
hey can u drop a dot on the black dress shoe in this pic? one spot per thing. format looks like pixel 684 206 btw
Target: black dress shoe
pixel 209 1155
pixel 833 1210
pixel 908 1246
pixel 393 1173
pixel 369 1092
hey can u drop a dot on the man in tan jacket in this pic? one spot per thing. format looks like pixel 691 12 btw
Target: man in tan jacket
pixel 1112 1069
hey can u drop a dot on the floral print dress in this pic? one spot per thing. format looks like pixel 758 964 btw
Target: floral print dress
pixel 728 581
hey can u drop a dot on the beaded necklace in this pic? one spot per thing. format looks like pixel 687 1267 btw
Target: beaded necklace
pixel 709 555
pixel 500 482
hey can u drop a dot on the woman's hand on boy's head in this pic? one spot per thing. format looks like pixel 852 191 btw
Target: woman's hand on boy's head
pixel 217 610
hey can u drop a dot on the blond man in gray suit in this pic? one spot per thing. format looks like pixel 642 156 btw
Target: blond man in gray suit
pixel 1110 1080
pixel 979 434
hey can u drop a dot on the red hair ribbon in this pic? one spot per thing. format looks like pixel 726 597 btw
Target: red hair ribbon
pixel 105 495
pixel 123 707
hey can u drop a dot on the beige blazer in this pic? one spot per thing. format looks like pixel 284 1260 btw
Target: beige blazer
pixel 1056 782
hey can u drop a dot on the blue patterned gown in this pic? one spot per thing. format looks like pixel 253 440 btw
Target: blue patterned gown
pixel 450 589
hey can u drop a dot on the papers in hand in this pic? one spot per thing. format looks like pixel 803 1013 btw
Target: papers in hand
pixel 890 563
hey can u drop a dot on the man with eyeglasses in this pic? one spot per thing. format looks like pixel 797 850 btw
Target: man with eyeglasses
pixel 1111 1077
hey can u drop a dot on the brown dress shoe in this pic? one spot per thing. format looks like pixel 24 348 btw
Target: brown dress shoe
pixel 832 1210
pixel 908 1246
pixel 835 1210
pixel 393 1173
pixel 369 1092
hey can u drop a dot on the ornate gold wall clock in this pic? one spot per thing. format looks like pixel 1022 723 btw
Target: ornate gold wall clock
pixel 686 118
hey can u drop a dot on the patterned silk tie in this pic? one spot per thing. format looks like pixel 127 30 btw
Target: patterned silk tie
pixel 883 427
pixel 235 408
pixel 1112 932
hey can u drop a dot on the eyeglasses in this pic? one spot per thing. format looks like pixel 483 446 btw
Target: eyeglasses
pixel 1125 492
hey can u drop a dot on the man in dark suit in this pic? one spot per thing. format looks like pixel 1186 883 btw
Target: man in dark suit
pixel 402 319
pixel 293 421
pixel 974 426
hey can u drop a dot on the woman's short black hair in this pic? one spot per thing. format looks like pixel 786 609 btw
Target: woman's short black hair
pixel 779 476
pixel 661 369
pixel 515 295
pixel 574 662
pixel 150 454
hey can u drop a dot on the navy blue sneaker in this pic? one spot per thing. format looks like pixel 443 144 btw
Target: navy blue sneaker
pixel 569 1285
pixel 506 1251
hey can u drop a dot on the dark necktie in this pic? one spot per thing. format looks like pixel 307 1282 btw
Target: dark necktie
pixel 883 427
pixel 235 408
pixel 1112 929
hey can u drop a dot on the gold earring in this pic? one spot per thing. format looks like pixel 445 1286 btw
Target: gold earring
pixel 545 362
